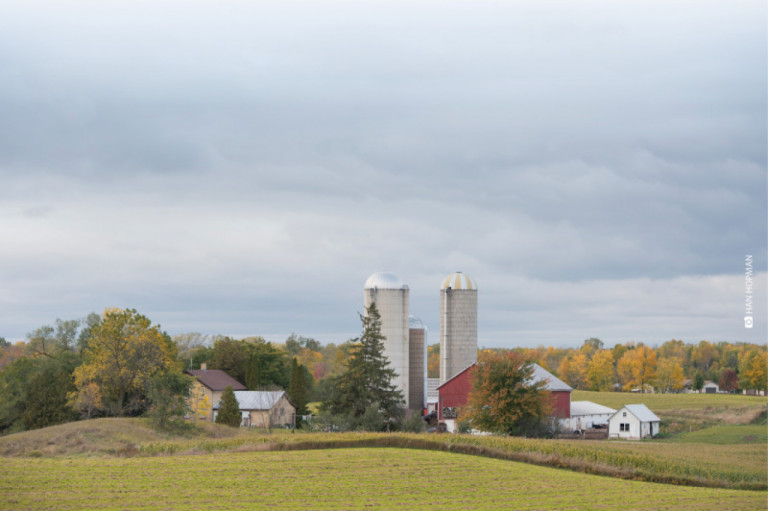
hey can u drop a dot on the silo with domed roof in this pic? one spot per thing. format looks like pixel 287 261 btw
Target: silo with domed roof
pixel 458 325
pixel 390 294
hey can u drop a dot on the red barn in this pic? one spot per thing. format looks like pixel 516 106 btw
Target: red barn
pixel 454 393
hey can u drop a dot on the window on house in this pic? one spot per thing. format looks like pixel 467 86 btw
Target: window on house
pixel 623 427
pixel 624 414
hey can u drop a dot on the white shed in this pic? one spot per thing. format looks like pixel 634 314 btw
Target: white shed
pixel 633 422
pixel 587 415
pixel 710 387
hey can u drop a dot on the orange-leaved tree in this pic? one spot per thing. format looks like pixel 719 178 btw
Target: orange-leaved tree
pixel 505 398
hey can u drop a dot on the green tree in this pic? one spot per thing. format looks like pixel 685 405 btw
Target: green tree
pixel 168 393
pixel 368 376
pixel 504 399
pixel 46 391
pixel 267 366
pixel 698 381
pixel 124 352
pixel 299 388
pixel 229 409
pixel 13 385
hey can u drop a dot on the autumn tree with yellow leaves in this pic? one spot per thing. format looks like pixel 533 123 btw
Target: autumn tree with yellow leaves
pixel 124 352
pixel 637 368
pixel 601 372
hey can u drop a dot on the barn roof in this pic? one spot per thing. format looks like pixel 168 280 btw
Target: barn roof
pixel 553 382
pixel 641 412
pixel 215 379
pixel 470 366
pixel 589 408
pixel 256 399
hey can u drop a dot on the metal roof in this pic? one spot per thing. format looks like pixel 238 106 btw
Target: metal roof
pixel 553 382
pixel 384 280
pixel 589 408
pixel 459 281
pixel 641 412
pixel 256 399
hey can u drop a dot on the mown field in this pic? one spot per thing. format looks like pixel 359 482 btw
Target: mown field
pixel 693 461
pixel 667 402
pixel 335 479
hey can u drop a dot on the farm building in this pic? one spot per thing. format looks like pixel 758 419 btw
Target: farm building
pixel 432 394
pixel 207 389
pixel 263 409
pixel 454 394
pixel 710 387
pixel 587 415
pixel 633 422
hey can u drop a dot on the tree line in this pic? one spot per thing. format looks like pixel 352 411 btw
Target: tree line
pixel 666 368
pixel 120 364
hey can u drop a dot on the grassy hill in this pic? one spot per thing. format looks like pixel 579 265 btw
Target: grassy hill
pixel 108 437
pixel 696 462
pixel 336 479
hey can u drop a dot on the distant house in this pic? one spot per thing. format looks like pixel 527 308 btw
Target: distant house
pixel 454 394
pixel 587 415
pixel 633 422
pixel 207 389
pixel 263 409
pixel 710 387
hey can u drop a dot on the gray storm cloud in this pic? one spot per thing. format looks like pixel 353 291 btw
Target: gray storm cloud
pixel 242 167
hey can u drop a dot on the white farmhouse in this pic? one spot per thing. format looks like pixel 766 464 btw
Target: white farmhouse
pixel 633 422
pixel 587 415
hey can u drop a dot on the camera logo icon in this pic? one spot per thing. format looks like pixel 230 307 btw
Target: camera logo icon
pixel 748 322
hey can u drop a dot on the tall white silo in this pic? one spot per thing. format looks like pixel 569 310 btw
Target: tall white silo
pixel 417 340
pixel 458 325
pixel 390 295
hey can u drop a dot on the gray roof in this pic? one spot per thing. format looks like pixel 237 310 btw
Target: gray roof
pixel 589 408
pixel 641 412
pixel 553 382
pixel 256 399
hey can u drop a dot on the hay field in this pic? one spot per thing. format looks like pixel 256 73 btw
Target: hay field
pixel 370 478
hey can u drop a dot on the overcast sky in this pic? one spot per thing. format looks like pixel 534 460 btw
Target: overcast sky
pixel 241 167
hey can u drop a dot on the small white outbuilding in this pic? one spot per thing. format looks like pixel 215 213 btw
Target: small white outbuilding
pixel 587 415
pixel 633 422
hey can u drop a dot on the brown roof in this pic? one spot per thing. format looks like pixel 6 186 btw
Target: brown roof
pixel 215 379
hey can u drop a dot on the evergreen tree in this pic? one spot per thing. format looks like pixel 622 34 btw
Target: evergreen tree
pixel 299 387
pixel 368 376
pixel 229 409
pixel 698 381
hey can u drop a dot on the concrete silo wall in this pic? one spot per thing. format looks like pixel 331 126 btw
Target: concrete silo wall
pixel 393 307
pixel 458 331
pixel 417 369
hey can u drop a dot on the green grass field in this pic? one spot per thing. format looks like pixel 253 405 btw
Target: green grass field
pixel 692 462
pixel 672 402
pixel 335 479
